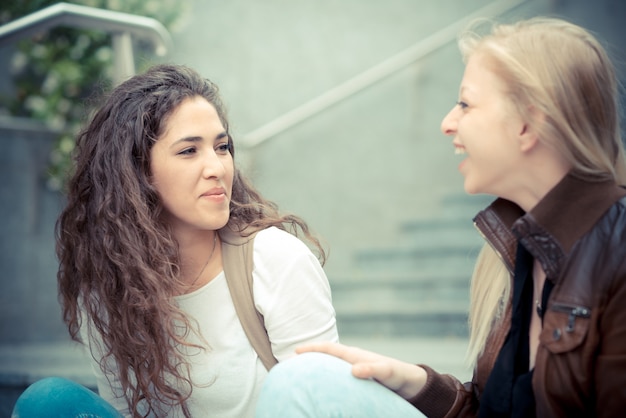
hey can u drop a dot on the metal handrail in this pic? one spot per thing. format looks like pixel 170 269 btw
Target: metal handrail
pixel 120 25
pixel 373 75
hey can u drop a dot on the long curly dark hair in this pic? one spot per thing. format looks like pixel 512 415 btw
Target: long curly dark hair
pixel 119 263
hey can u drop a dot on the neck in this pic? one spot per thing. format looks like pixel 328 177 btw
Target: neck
pixel 196 255
pixel 543 171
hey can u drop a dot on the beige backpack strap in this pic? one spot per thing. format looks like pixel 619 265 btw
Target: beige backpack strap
pixel 237 251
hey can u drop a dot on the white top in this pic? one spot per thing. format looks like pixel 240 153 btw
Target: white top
pixel 292 293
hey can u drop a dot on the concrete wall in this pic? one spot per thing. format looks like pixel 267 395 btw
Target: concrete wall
pixel 364 166
pixel 29 311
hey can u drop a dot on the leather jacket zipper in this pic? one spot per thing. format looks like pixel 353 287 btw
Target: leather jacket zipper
pixel 573 313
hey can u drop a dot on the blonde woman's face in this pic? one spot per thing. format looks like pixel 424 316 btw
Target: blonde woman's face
pixel 192 168
pixel 485 128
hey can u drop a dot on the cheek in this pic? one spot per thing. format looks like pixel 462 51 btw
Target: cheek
pixel 229 175
pixel 165 183
pixel 157 166
pixel 158 180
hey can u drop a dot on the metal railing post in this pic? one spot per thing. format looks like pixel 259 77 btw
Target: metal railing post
pixel 123 61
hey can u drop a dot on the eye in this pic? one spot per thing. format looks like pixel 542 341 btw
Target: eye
pixel 462 104
pixel 223 148
pixel 188 151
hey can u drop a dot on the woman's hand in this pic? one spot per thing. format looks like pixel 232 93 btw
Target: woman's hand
pixel 406 379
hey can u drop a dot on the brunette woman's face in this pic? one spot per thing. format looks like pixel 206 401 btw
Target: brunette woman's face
pixel 486 130
pixel 192 168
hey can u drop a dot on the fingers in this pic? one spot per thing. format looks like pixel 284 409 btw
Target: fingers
pixel 366 364
pixel 379 370
pixel 321 347
pixel 334 349
pixel 364 371
pixel 403 378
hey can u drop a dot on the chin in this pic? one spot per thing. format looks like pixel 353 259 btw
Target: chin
pixel 221 223
pixel 469 189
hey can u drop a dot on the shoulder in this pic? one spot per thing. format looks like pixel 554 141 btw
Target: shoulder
pixel 277 252
pixel 285 267
pixel 598 260
pixel 609 233
pixel 274 241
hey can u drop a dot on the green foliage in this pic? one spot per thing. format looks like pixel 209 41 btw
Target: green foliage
pixel 56 73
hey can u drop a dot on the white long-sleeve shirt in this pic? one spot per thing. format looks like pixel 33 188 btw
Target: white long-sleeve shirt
pixel 292 293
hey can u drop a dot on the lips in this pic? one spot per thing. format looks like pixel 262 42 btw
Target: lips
pixel 215 193
pixel 458 148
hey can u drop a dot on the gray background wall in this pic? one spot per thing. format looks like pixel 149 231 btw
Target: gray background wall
pixel 360 169
pixel 28 305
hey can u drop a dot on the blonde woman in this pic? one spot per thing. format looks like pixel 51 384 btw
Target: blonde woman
pixel 537 126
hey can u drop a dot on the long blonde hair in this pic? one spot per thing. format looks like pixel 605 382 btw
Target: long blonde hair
pixel 561 71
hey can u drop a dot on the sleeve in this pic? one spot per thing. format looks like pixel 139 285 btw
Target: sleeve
pixel 610 367
pixel 292 293
pixel 445 396
pixel 108 384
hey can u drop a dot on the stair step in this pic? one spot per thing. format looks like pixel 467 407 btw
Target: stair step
pixel 463 205
pixel 424 324
pixel 369 278
pixel 418 308
pixel 396 294
pixel 440 233
pixel 23 364
pixel 419 286
pixel 456 258
pixel 384 306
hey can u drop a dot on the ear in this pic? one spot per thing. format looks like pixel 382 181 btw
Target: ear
pixel 528 136
pixel 528 140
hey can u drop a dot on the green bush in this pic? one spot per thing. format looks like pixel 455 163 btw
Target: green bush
pixel 56 73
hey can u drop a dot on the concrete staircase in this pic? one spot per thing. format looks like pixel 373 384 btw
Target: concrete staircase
pixel 420 286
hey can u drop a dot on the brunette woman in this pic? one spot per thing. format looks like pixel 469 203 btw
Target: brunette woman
pixel 154 195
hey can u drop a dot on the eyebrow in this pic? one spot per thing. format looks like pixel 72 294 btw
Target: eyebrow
pixel 192 139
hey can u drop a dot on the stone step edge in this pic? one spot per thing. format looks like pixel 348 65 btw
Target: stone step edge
pixel 365 313
pixel 24 363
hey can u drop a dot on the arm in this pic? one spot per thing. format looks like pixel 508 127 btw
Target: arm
pixel 403 378
pixel 292 293
pixel 108 384
pixel 435 394
pixel 610 368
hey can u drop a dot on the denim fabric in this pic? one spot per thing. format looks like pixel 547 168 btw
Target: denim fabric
pixel 55 397
pixel 322 386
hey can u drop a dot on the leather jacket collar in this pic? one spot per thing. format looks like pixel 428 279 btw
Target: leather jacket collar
pixel 553 226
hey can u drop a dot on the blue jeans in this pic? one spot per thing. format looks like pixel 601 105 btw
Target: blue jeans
pixel 55 397
pixel 322 386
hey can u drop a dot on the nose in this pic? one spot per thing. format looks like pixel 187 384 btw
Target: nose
pixel 213 167
pixel 449 122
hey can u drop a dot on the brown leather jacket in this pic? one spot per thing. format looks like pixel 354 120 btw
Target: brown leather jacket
pixel 578 233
